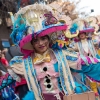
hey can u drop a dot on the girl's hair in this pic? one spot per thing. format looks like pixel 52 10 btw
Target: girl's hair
pixel 42 36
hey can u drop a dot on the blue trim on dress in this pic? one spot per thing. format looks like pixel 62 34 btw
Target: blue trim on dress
pixel 60 72
pixel 71 58
pixel 58 79
pixel 34 75
pixel 63 59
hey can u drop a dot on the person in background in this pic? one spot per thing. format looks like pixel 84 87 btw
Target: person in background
pixel 20 87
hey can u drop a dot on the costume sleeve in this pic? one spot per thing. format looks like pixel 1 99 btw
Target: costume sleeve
pixel 73 59
pixel 16 65
pixel 73 47
pixel 92 71
pixel 96 40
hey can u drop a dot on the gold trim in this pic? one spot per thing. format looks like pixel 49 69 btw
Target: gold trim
pixel 69 35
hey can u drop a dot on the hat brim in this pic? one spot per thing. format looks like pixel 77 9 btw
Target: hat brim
pixel 87 31
pixel 25 43
pixel 91 30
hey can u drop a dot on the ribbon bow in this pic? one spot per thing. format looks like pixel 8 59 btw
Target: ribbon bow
pixel 41 58
pixel 50 19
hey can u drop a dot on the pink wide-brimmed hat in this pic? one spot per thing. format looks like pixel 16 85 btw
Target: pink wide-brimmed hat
pixel 41 21
pixel 85 27
pixel 25 43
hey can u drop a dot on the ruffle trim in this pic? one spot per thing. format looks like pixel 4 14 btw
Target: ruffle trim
pixel 34 7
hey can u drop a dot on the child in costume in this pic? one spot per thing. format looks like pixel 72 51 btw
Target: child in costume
pixel 46 69
pixel 88 54
pixel 44 60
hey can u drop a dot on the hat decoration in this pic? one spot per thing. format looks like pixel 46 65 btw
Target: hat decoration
pixel 84 26
pixel 66 8
pixel 80 26
pixel 63 12
pixel 73 28
pixel 50 19
pixel 59 40
pixel 73 31
pixel 19 29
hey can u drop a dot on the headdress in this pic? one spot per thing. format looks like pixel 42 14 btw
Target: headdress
pixel 80 26
pixel 40 21
pixel 84 26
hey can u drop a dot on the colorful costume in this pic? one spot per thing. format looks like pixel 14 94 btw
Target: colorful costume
pixel 47 75
pixel 88 55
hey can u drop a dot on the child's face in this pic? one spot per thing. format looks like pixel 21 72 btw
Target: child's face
pixel 82 36
pixel 41 44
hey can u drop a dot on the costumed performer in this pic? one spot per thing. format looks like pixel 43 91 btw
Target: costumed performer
pixel 88 55
pixel 42 65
